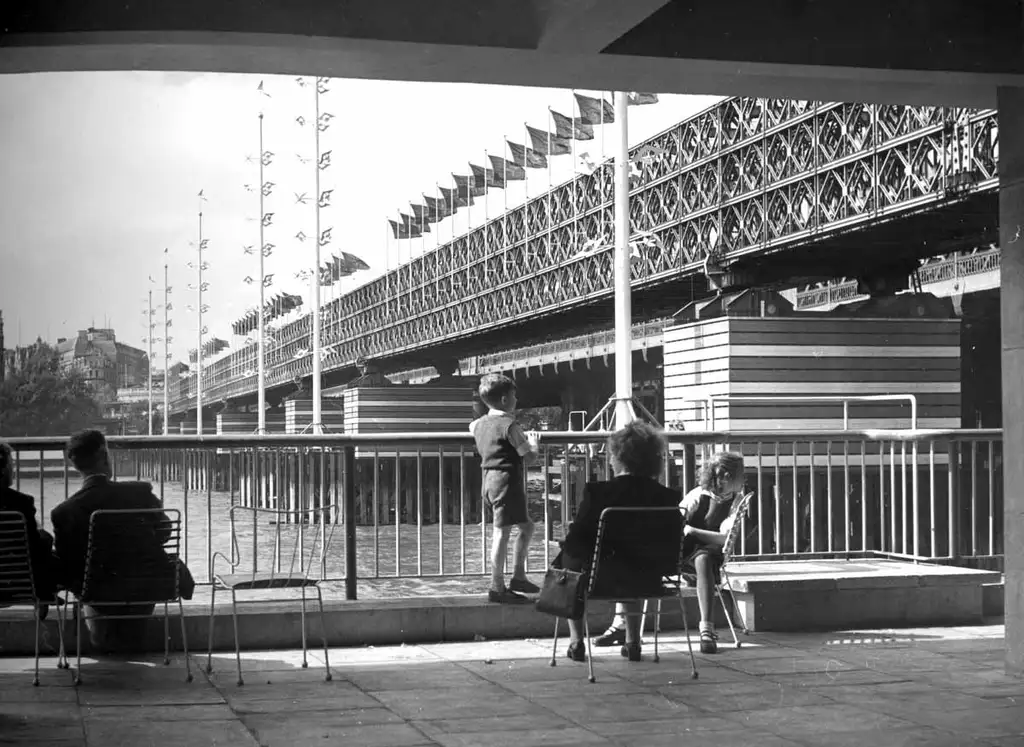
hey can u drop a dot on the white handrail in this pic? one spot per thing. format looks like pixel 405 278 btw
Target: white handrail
pixel 844 399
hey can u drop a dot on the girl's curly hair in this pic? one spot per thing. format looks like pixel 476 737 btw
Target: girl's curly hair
pixel 722 467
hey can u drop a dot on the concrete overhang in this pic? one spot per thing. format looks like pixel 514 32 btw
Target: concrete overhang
pixel 956 52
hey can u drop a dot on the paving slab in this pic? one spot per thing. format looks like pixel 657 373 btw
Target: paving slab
pixel 885 688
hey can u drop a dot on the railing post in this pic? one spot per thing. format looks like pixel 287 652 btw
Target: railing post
pixel 349 507
pixel 953 488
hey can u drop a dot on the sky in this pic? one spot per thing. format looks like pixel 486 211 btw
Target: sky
pixel 102 171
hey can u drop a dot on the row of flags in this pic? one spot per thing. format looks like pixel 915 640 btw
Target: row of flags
pixel 210 347
pixel 543 144
pixel 275 308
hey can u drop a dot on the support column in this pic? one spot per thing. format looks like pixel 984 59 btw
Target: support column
pixel 1011 240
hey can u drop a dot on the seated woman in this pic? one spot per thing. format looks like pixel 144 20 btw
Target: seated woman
pixel 631 565
pixel 40 543
pixel 709 518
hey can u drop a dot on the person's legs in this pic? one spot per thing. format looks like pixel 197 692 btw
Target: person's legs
pixel 704 565
pixel 499 549
pixel 521 550
pixel 616 633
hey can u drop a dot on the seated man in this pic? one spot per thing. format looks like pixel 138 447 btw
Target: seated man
pixel 88 453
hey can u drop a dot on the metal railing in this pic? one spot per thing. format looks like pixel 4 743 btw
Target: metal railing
pixel 845 400
pixel 409 504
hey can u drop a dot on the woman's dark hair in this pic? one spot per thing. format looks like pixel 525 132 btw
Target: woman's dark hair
pixel 638 448
pixel 719 469
pixel 6 465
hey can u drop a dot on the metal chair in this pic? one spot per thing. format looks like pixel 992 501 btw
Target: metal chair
pixel 654 533
pixel 133 559
pixel 289 529
pixel 17 581
pixel 741 509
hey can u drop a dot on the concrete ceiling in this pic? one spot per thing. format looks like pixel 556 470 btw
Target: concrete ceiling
pixel 954 52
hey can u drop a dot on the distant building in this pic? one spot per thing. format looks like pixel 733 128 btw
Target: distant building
pixel 105 364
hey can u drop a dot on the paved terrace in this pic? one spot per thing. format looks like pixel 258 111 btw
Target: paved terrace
pixel 930 686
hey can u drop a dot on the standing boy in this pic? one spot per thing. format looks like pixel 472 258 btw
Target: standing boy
pixel 505 450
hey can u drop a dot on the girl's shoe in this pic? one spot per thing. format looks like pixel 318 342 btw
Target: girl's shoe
pixel 577 651
pixel 611 637
pixel 631 651
pixel 708 642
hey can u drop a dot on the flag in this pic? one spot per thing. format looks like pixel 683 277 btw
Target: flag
pixel 202 196
pixel 268 218
pixel 351 262
pixel 591 108
pixel 300 199
pixel 639 99
pixel 509 171
pixel 527 157
pixel 487 177
pixel 247 249
pixel 454 199
pixel 548 144
pixel 267 157
pixel 423 215
pixel 268 249
pixel 325 198
pixel 437 209
pixel 405 229
pixel 465 190
pixel 567 128
pixel 418 221
pixel 325 236
pixel 325 160
pixel 268 188
pixel 260 89
pixel 268 280
pixel 324 122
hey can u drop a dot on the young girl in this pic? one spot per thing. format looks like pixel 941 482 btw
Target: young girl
pixel 709 517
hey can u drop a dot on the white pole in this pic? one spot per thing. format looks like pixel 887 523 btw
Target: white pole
pixel 199 351
pixel 150 366
pixel 317 419
pixel 623 305
pixel 167 358
pixel 261 383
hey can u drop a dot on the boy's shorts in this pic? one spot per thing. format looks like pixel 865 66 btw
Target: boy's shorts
pixel 505 494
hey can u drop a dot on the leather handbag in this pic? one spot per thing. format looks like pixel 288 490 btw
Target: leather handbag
pixel 562 593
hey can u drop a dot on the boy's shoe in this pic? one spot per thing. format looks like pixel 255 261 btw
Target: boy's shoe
pixel 506 596
pixel 523 586
pixel 631 651
pixel 577 651
pixel 708 642
pixel 611 637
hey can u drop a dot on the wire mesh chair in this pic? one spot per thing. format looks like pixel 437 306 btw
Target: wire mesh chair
pixel 631 541
pixel 265 567
pixel 132 559
pixel 17 581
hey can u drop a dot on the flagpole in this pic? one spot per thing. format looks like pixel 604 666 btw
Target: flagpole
pixel 261 397
pixel 317 419
pixel 387 271
pixel 199 350
pixel 548 200
pixel 575 170
pixel 604 239
pixel 623 302
pixel 149 376
pixel 167 354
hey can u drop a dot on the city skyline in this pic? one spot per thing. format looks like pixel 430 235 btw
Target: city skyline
pixel 126 175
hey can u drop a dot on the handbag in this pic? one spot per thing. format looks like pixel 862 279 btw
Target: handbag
pixel 562 593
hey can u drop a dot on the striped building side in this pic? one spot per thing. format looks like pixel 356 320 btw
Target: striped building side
pixel 407 409
pixel 807 356
pixel 246 423
pixel 298 415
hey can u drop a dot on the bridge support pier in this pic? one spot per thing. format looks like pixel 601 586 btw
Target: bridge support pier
pixel 1011 239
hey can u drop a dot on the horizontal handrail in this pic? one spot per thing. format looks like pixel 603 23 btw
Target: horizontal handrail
pixel 458 438
pixel 814 398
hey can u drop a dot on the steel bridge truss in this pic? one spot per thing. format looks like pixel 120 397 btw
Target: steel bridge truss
pixel 744 176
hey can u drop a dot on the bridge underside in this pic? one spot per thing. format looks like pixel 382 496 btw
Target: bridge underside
pixel 826 50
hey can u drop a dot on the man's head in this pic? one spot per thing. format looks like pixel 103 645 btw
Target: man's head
pixel 6 465
pixel 498 391
pixel 87 452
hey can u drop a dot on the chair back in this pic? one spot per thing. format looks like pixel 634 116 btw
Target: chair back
pixel 275 544
pixel 740 509
pixel 16 582
pixel 132 556
pixel 636 547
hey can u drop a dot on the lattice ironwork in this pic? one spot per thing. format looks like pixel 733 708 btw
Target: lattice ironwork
pixel 745 175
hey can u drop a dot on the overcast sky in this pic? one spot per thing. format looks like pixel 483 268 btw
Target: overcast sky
pixel 101 172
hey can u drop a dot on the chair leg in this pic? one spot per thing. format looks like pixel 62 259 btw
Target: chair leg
pixel 657 628
pixel 234 622
pixel 209 639
pixel 728 617
pixel 167 637
pixel 302 617
pixel 686 632
pixel 586 632
pixel 323 632
pixel 643 620
pixel 554 645
pixel 79 612
pixel 184 641
pixel 35 677
pixel 62 654
pixel 739 611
